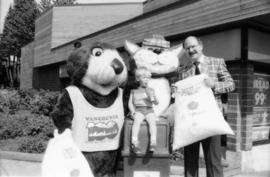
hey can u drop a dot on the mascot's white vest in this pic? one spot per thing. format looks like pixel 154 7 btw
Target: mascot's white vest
pixel 96 129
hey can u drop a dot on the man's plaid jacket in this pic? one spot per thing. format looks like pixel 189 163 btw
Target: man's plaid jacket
pixel 216 69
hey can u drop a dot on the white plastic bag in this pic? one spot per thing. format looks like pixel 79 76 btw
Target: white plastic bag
pixel 63 158
pixel 197 115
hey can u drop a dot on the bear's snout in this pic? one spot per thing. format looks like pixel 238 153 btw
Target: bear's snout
pixel 117 66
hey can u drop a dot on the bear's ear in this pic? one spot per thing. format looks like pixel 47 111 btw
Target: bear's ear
pixel 131 47
pixel 76 60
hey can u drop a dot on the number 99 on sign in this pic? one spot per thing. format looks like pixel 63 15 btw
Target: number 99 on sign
pixel 260 98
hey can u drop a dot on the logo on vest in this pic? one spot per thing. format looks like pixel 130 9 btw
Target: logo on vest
pixel 101 130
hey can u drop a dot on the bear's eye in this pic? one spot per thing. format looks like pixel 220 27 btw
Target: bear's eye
pixel 97 51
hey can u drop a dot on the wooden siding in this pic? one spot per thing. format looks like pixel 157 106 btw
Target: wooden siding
pixel 63 24
pixel 180 18
pixel 43 33
pixel 72 22
pixel 155 4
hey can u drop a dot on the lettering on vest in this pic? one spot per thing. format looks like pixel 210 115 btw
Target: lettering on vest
pixel 102 127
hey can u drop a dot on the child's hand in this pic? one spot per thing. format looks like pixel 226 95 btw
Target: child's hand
pixel 173 88
pixel 150 95
pixel 132 115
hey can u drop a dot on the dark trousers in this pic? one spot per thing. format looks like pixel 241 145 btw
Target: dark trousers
pixel 212 155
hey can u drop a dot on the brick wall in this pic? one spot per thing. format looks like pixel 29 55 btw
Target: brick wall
pixel 240 103
pixel 247 106
pixel 234 119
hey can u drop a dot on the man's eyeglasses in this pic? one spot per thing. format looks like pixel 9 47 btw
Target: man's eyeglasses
pixel 191 47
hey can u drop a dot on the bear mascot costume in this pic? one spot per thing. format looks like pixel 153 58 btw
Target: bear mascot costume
pixel 162 61
pixel 92 106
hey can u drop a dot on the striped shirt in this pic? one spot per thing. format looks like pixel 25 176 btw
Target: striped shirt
pixel 141 97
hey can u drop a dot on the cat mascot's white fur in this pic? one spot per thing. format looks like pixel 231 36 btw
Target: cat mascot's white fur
pixel 159 65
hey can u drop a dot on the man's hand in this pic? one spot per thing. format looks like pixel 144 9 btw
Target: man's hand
pixel 209 82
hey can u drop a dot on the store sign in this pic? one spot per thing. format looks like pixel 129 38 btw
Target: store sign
pixel 261 108
pixel 146 174
pixel 261 116
pixel 260 133
pixel 261 90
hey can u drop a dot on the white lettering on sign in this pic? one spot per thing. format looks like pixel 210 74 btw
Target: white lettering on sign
pixel 146 173
pixel 259 98
pixel 261 84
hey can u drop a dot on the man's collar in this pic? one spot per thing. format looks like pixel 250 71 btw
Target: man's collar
pixel 200 60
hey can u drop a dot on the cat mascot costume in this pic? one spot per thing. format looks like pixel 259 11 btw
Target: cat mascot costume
pixel 161 60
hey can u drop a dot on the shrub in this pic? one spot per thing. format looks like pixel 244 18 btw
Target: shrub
pixel 38 102
pixel 41 126
pixel 24 118
pixel 8 100
pixel 32 145
pixel 11 126
pixel 44 102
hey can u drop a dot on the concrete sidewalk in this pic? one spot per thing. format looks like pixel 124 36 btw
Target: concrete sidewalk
pixel 20 164
pixel 232 173
pixel 29 165
pixel 12 168
pixel 15 168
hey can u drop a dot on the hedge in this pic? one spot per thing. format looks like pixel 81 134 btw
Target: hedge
pixel 25 125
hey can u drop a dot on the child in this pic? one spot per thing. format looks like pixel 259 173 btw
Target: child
pixel 141 107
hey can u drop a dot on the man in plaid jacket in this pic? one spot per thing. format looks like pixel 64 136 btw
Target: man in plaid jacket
pixel 220 80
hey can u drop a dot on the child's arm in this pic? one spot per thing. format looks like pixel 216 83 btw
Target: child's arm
pixel 155 98
pixel 130 104
pixel 151 95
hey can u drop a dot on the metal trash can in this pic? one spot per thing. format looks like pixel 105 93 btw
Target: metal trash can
pixel 147 164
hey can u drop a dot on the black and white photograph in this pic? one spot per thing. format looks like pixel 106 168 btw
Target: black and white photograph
pixel 134 88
